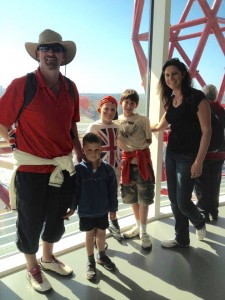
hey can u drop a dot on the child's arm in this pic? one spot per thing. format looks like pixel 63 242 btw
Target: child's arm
pixel 112 186
pixel 149 141
pixel 69 214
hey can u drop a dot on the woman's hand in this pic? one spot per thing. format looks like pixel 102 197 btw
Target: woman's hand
pixel 196 170
pixel 163 124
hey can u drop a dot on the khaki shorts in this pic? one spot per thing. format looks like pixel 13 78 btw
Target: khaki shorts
pixel 138 190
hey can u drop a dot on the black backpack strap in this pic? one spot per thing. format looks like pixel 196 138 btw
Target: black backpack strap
pixel 72 93
pixel 70 84
pixel 30 91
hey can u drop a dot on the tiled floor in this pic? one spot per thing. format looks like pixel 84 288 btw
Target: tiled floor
pixel 194 273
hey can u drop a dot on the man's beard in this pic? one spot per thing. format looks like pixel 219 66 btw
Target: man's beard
pixel 53 64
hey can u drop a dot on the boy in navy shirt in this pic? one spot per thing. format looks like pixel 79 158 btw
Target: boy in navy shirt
pixel 95 197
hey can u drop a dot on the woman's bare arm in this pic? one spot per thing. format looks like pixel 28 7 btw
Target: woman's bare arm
pixel 163 124
pixel 204 116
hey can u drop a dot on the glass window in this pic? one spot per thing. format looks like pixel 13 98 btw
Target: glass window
pixel 105 64
pixel 112 51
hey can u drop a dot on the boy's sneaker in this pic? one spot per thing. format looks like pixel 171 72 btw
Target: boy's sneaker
pixel 106 262
pixel 145 241
pixel 38 280
pixel 91 271
pixel 56 266
pixel 173 244
pixel 115 230
pixel 201 233
pixel 134 231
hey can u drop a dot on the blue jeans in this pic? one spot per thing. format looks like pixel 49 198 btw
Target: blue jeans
pixel 180 188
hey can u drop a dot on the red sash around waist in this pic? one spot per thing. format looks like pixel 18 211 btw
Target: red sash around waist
pixel 143 161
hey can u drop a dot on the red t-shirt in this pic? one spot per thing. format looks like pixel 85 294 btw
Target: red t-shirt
pixel 44 125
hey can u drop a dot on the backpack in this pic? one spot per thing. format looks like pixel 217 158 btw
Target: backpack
pixel 29 93
pixel 31 88
pixel 217 141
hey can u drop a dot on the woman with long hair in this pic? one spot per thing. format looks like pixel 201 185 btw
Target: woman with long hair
pixel 187 112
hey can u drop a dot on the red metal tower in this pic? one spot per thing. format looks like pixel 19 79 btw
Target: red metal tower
pixel 213 24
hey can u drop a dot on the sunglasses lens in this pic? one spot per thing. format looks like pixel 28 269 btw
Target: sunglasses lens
pixel 57 48
pixel 43 48
pixel 54 47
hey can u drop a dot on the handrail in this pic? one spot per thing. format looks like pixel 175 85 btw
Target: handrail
pixel 4 195
pixel 5 163
pixel 3 144
pixel 4 147
pixel 5 150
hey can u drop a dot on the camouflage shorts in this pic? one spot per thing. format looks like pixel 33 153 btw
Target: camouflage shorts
pixel 138 190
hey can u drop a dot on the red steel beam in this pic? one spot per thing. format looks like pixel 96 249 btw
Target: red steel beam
pixel 211 26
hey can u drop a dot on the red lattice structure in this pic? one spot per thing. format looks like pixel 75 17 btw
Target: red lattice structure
pixel 213 24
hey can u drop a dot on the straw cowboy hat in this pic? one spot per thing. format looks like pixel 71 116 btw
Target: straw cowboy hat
pixel 49 36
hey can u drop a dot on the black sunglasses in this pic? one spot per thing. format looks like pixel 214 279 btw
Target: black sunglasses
pixel 54 47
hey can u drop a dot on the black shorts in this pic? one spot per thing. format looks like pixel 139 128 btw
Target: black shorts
pixel 87 224
pixel 41 208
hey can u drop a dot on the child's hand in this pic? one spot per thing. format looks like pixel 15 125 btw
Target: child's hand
pixel 68 214
pixel 149 141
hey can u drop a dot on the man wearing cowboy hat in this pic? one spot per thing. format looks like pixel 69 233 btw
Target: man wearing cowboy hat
pixel 43 148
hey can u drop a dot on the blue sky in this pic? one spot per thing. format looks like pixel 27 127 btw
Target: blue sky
pixel 105 60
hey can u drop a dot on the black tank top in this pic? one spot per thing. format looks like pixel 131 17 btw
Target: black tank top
pixel 185 132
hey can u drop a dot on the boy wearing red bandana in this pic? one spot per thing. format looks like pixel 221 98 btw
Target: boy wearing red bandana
pixel 107 130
